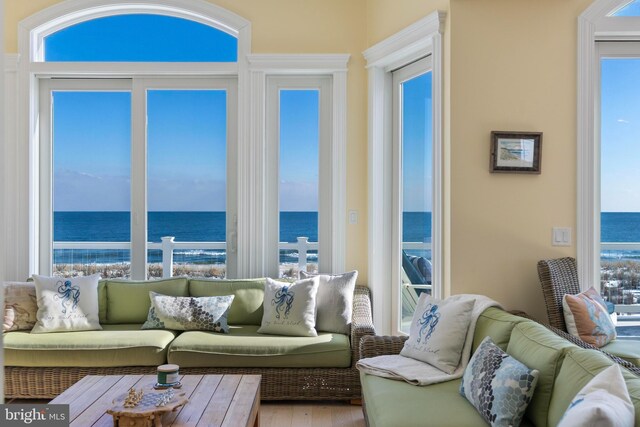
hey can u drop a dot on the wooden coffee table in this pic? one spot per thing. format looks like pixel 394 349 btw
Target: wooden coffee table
pixel 214 400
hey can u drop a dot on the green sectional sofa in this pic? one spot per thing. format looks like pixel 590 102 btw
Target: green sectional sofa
pixel 564 369
pixel 323 367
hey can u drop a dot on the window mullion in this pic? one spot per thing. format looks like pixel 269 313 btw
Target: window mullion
pixel 138 181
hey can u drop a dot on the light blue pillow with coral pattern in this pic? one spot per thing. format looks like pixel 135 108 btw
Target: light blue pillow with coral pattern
pixel 497 385
pixel 188 313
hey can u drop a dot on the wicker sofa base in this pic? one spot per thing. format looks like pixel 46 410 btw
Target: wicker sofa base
pixel 277 383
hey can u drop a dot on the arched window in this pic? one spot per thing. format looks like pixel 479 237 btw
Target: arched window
pixel 608 202
pixel 137 136
pixel 140 38
pixel 162 124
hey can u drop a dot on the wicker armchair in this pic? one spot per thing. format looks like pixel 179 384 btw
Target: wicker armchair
pixel 557 278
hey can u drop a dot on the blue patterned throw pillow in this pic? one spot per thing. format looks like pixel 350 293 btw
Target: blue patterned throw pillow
pixel 188 313
pixel 497 385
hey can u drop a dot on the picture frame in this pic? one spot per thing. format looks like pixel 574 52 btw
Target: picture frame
pixel 516 152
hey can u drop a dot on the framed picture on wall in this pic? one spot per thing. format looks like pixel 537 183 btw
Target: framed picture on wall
pixel 516 152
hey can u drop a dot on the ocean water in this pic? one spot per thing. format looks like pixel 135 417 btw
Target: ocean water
pixel 190 227
pixel 620 227
pixel 210 227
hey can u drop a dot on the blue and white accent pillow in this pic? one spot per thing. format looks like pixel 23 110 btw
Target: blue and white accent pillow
pixel 66 304
pixel 188 313
pixel 290 308
pixel 497 385
pixel 438 331
pixel 604 402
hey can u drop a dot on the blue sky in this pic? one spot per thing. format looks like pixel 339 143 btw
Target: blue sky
pixel 632 9
pixel 187 129
pixel 620 123
pixel 417 130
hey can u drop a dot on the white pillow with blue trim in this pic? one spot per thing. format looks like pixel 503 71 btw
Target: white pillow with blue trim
pixel 438 331
pixel 603 402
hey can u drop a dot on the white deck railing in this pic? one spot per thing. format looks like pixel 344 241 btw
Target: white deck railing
pixel 168 245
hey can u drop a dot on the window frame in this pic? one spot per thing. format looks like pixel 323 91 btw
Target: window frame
pixel 595 25
pixel 250 71
pixel 274 85
pixel 419 40
pixel 138 88
pixel 399 77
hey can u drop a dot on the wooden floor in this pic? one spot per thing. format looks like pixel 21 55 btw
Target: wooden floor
pixel 297 413
pixel 311 414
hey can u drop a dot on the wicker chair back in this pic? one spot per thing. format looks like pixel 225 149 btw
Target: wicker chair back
pixel 557 277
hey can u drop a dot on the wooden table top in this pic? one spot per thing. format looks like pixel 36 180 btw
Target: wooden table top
pixel 214 400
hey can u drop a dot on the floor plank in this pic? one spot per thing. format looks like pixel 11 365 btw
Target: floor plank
pixel 297 413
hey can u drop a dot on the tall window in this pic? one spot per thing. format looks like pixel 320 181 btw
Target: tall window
pixel 298 193
pixel 140 177
pixel 608 152
pixel 413 131
pixel 298 143
pixel 91 141
pixel 406 171
pixel 620 175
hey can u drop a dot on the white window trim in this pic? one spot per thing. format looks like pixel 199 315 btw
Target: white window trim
pixel 419 40
pixel 594 24
pixel 256 242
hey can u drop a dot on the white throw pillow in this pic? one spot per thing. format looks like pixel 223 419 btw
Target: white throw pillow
pixel 603 402
pixel 438 331
pixel 66 304
pixel 334 301
pixel 290 308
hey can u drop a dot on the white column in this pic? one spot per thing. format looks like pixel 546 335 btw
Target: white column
pixel 167 256
pixel 302 253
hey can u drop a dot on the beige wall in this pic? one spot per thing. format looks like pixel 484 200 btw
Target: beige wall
pixel 509 65
pixel 293 26
pixel 513 67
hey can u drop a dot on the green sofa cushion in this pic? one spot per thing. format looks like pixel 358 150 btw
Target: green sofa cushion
pixel 245 347
pixel 115 345
pixel 247 306
pixel 538 348
pixel 579 367
pixel 128 301
pixel 390 403
pixel 625 349
pixel 497 324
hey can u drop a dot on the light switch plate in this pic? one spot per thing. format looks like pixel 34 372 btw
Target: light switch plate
pixel 561 236
pixel 353 217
